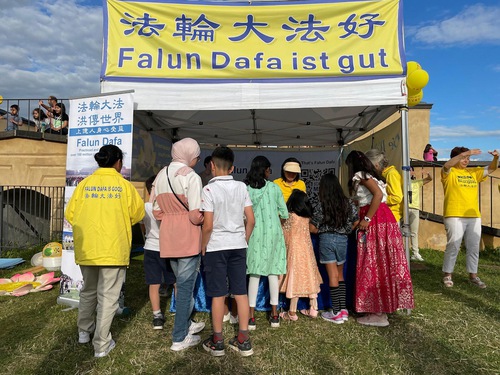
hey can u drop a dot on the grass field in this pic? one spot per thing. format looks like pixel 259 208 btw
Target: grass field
pixel 451 331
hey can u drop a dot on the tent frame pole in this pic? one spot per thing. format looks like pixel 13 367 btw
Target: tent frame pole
pixel 405 228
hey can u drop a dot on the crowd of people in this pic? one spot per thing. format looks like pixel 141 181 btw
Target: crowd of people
pixel 48 118
pixel 242 231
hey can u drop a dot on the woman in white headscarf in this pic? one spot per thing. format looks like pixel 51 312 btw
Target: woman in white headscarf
pixel 177 202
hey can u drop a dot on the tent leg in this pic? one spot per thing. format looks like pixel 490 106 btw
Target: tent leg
pixel 406 184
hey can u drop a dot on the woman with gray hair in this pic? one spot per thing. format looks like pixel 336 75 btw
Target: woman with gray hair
pixel 393 179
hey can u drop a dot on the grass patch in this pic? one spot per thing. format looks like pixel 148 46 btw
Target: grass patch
pixel 450 331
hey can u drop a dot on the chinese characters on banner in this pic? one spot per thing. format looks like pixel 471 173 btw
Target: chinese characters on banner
pixel 175 40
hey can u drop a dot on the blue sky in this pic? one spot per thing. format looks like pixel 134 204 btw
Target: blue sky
pixel 457 42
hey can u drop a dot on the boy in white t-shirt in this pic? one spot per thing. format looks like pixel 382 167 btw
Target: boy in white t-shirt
pixel 225 235
pixel 157 270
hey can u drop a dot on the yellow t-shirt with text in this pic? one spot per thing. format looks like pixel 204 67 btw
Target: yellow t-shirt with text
pixel 415 194
pixel 287 189
pixel 461 191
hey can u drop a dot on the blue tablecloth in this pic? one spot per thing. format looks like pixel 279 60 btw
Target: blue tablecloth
pixel 10 262
pixel 202 302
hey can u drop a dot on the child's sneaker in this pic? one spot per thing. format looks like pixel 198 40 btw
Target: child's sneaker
pixel 215 349
pixel 233 319
pixel 158 322
pixel 374 320
pixel 251 324
pixel 329 316
pixel 275 321
pixel 244 348
pixel 345 314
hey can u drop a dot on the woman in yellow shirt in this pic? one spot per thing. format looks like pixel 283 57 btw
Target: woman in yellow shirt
pixel 290 178
pixel 461 210
pixel 393 179
pixel 102 210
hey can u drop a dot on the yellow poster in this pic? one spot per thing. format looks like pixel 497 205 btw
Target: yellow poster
pixel 242 42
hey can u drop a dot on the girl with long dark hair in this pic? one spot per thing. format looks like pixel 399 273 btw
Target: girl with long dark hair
pixel 266 254
pixel 383 282
pixel 333 220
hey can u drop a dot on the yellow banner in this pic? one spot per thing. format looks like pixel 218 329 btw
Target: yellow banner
pixel 163 41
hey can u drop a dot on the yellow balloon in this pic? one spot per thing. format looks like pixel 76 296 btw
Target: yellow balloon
pixel 418 79
pixel 411 66
pixel 1 99
pixel 415 99
pixel 413 92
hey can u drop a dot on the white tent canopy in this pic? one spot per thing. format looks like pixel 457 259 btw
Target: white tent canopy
pixel 267 114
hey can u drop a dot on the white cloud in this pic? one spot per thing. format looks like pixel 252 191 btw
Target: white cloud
pixel 50 47
pixel 494 109
pixel 475 24
pixel 461 131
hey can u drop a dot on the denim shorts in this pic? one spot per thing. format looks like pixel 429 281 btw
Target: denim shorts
pixel 332 248
pixel 225 272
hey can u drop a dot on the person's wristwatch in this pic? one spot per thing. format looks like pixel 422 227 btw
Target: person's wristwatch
pixel 367 219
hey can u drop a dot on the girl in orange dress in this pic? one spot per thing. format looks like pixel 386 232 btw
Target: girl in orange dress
pixel 302 277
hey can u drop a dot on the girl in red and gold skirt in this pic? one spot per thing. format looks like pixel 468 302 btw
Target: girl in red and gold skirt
pixel 383 282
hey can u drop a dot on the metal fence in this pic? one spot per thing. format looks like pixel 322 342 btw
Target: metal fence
pixel 30 215
pixel 26 107
pixel 432 196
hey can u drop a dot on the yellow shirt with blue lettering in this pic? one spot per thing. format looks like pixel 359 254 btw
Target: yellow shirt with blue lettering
pixel 461 191
pixel 102 210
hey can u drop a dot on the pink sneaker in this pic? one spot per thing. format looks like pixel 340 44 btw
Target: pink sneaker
pixel 345 314
pixel 333 318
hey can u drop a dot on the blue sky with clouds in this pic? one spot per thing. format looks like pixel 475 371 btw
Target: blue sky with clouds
pixel 55 47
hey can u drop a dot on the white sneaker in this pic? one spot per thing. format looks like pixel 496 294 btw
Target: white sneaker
pixel 83 337
pixel 417 257
pixel 111 346
pixel 189 341
pixel 196 327
pixel 233 319
pixel 374 320
pixel 226 317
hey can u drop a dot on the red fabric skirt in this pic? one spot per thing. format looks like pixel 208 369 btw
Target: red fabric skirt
pixel 383 281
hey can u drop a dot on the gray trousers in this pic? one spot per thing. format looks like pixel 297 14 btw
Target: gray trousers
pixel 99 302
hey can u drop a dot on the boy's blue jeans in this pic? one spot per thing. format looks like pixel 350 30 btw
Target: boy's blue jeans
pixel 186 272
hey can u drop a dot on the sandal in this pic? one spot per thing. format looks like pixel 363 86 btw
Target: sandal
pixel 478 282
pixel 448 282
pixel 286 316
pixel 311 313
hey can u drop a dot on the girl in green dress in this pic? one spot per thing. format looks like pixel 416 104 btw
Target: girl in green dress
pixel 266 254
